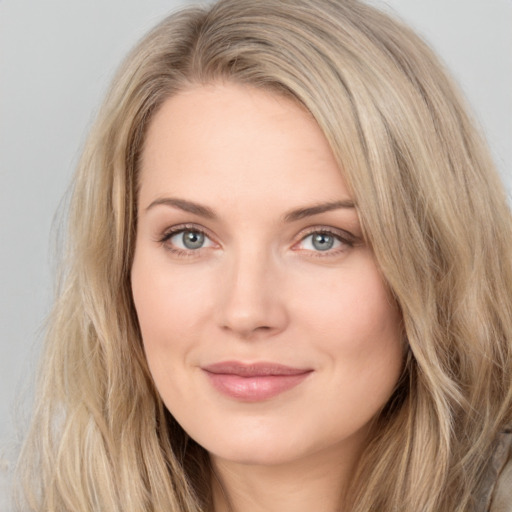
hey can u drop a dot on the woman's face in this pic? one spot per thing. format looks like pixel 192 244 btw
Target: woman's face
pixel 267 326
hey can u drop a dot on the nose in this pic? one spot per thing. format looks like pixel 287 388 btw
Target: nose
pixel 251 304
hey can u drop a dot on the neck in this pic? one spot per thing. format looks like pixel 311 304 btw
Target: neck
pixel 318 482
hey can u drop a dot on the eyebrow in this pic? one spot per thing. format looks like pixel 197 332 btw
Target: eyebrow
pixel 301 213
pixel 186 206
pixel 292 216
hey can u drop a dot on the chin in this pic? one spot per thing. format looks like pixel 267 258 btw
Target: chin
pixel 265 454
pixel 271 444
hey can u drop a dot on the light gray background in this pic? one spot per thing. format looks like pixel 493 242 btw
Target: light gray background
pixel 56 59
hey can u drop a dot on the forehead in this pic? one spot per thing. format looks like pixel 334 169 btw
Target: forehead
pixel 228 141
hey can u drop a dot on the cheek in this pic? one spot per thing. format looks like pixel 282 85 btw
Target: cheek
pixel 353 304
pixel 353 319
pixel 166 295
pixel 171 306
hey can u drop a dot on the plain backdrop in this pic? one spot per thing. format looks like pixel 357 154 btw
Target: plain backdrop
pixel 56 59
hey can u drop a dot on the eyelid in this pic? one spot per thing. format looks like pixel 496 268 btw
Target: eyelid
pixel 343 234
pixel 171 231
pixel 177 228
pixel 346 238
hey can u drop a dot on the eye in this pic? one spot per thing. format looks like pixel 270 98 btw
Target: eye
pixel 186 239
pixel 323 241
pixel 320 241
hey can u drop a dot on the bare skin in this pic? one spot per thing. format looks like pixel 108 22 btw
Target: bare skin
pixel 268 329
pixel 303 486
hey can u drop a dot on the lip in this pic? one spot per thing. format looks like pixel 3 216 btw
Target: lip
pixel 254 382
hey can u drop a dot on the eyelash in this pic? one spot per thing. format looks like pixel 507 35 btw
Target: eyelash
pixel 176 230
pixel 344 237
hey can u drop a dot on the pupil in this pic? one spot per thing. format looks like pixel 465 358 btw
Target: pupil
pixel 323 241
pixel 193 239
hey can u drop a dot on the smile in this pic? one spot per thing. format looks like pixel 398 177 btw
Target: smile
pixel 254 382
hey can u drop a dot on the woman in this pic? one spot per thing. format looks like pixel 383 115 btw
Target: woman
pixel 288 282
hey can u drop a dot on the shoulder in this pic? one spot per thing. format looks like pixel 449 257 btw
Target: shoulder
pixel 501 498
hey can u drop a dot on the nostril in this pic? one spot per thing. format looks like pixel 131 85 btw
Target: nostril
pixel 248 304
pixel 250 332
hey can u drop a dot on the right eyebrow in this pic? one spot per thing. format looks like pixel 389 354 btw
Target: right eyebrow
pixel 186 206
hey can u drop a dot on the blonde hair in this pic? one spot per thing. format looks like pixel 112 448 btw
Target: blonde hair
pixel 432 208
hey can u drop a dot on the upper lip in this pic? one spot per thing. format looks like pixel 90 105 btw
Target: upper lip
pixel 259 369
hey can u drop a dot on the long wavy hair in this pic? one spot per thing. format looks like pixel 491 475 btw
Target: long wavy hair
pixel 432 208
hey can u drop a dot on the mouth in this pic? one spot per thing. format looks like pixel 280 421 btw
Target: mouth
pixel 254 382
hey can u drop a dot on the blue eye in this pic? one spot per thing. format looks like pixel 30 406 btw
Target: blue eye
pixel 321 241
pixel 188 240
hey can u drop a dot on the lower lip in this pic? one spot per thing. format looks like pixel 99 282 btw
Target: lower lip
pixel 256 388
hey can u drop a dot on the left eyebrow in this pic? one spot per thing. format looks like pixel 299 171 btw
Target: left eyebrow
pixel 301 213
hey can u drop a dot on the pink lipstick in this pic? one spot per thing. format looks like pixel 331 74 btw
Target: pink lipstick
pixel 254 382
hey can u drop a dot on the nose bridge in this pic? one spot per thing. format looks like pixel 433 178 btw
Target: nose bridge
pixel 252 301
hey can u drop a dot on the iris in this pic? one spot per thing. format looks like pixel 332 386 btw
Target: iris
pixel 322 241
